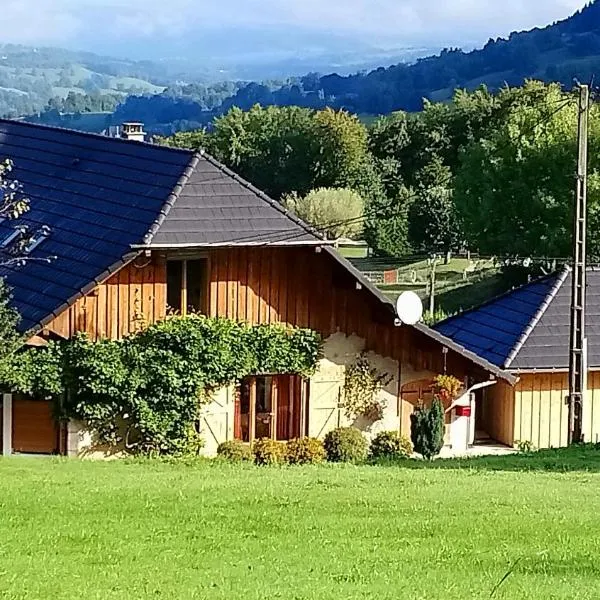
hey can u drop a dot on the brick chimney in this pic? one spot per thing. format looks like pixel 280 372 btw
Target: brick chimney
pixel 133 131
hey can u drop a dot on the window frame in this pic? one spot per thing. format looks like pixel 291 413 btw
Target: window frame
pixel 205 298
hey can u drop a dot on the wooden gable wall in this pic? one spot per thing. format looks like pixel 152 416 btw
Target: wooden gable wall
pixel 115 307
pixel 295 286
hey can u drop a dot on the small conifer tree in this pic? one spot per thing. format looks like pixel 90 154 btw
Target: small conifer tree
pixel 427 429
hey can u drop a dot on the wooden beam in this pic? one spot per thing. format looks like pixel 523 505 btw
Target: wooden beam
pixel 303 406
pixel 274 406
pixel 252 416
pixel 184 302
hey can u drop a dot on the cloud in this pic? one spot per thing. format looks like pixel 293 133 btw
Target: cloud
pixel 68 22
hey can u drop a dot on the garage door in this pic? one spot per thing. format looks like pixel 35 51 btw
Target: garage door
pixel 34 430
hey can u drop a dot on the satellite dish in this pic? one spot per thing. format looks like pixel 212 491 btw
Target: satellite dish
pixel 409 308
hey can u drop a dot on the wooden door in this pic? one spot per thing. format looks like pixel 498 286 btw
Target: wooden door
pixel 34 430
pixel 289 407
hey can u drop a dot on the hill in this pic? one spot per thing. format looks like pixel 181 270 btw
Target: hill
pixel 560 52
pixel 31 77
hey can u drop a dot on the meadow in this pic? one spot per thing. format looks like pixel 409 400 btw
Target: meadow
pixel 505 527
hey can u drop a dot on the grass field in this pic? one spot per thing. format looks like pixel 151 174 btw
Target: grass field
pixel 154 530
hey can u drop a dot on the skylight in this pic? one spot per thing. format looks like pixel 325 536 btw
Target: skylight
pixel 39 236
pixel 12 237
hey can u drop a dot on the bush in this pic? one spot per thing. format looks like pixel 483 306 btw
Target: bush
pixel 345 444
pixel 305 451
pixel 268 452
pixel 427 429
pixel 390 444
pixel 235 451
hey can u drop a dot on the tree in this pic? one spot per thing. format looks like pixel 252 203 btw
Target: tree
pixel 433 223
pixel 514 188
pixel 289 149
pixel 427 429
pixel 12 205
pixel 198 139
pixel 386 225
pixel 10 338
pixel 335 212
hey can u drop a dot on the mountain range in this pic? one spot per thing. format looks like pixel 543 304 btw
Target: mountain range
pixel 177 93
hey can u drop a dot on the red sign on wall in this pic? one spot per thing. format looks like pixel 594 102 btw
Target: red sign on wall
pixel 463 411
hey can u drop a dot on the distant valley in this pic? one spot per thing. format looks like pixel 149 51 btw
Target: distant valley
pixel 88 91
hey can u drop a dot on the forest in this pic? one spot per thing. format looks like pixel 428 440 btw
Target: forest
pixel 489 172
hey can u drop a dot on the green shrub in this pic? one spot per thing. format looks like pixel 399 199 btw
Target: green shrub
pixel 427 429
pixel 235 451
pixel 268 452
pixel 390 444
pixel 305 451
pixel 345 444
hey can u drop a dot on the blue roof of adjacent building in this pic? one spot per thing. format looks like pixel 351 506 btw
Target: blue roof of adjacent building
pixel 528 328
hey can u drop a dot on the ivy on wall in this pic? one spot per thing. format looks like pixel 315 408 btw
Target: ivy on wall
pixel 146 390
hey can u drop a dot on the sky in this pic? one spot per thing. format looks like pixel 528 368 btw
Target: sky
pixel 91 24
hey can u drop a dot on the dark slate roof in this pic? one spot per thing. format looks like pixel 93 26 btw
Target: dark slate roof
pixel 528 328
pixel 217 207
pixel 98 195
pixel 103 197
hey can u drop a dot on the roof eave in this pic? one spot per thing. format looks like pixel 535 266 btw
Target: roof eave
pixel 232 244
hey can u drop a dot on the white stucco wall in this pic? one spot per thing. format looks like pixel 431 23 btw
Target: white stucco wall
pixel 81 444
pixel 326 388
pixel 325 411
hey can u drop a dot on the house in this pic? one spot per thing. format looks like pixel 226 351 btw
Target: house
pixel 137 228
pixel 526 332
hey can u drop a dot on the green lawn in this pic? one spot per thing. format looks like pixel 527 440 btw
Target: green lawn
pixel 72 529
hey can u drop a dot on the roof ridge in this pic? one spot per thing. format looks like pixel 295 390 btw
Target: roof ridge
pixel 78 132
pixel 496 298
pixel 273 203
pixel 562 276
pixel 172 198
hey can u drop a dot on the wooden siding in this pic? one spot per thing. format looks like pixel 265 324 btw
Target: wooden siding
pixel 541 415
pixel 591 410
pixel 134 295
pixel 499 412
pixel 295 286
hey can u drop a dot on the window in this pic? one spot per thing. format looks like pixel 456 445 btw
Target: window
pixel 174 284
pixel 187 286
pixel 270 407
pixel 196 286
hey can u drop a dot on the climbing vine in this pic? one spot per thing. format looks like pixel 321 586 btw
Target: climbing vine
pixel 362 385
pixel 146 390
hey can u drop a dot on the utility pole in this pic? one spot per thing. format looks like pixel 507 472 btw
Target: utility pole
pixel 578 358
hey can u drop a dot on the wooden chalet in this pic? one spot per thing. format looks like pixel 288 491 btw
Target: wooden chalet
pixel 137 229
